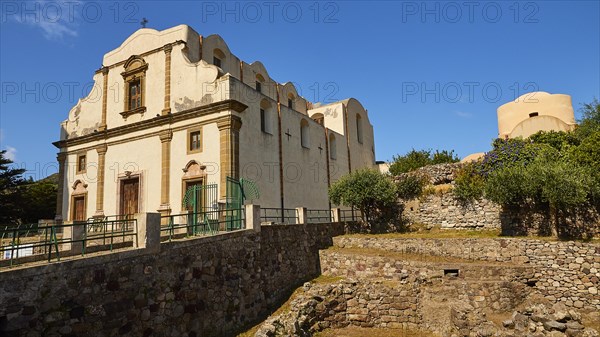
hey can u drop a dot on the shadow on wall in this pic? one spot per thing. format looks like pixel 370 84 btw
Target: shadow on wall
pixel 388 219
pixel 580 223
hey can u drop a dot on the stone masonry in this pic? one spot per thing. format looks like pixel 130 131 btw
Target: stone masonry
pixel 209 286
pixel 564 271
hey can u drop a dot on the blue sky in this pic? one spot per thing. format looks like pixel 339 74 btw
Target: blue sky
pixel 430 73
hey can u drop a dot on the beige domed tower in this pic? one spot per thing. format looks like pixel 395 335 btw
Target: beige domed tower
pixel 533 112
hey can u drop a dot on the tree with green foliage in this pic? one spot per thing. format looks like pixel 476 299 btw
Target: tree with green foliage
pixel 10 195
pixel 590 121
pixel 40 200
pixel 554 173
pixel 367 190
pixel 415 159
pixel 559 140
pixel 588 152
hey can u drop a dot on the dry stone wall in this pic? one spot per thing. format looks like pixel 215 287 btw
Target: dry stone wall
pixel 448 212
pixel 567 272
pixel 199 287
pixel 344 303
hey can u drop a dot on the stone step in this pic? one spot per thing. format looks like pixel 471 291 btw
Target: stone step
pixel 369 263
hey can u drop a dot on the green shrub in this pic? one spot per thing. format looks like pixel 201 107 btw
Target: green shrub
pixel 415 159
pixel 410 186
pixel 469 184
pixel 559 140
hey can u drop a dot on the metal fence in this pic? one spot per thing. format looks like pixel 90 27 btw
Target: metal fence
pixel 286 216
pixel 350 215
pixel 177 226
pixel 319 216
pixel 28 243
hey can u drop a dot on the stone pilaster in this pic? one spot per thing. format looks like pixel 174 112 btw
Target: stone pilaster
pixel 167 109
pixel 345 112
pixel 62 158
pixel 100 181
pixel 229 131
pixel 165 181
pixel 104 71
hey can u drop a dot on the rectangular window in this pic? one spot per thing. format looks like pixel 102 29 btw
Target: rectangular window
pixel 217 61
pixel 290 103
pixel 195 144
pixel 258 86
pixel 135 95
pixel 263 120
pixel 81 163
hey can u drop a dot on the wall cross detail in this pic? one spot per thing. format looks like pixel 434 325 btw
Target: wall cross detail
pixel 287 133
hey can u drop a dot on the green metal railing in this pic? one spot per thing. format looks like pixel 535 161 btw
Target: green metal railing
pixel 209 222
pixel 46 241
pixel 286 216
pixel 318 215
pixel 350 215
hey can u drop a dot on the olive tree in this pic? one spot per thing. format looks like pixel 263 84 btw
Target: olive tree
pixel 367 190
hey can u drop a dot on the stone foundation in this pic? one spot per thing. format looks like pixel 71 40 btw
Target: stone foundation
pixel 210 286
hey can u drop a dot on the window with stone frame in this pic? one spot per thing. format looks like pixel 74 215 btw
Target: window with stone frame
pixel 134 78
pixel 194 140
pixel 81 163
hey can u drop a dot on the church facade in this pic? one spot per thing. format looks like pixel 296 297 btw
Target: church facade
pixel 173 109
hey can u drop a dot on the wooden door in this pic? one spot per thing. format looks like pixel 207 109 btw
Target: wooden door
pixel 130 196
pixel 79 208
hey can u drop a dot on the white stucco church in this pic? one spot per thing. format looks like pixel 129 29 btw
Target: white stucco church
pixel 172 109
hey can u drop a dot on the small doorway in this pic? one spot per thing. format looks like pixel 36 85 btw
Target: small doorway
pixel 130 190
pixel 79 208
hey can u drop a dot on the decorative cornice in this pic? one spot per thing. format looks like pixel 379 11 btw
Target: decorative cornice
pixel 150 52
pixel 230 122
pixel 131 72
pixel 128 113
pixel 101 149
pixel 165 136
pixel 203 110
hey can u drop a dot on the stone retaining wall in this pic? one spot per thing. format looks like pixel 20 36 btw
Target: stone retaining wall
pixel 345 303
pixel 448 212
pixel 208 286
pixel 567 272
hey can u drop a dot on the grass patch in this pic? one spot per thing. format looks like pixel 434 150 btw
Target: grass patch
pixel 435 233
pixel 439 233
pixel 374 252
pixel 353 331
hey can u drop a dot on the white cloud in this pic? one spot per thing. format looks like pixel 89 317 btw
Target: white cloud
pixel 56 19
pixel 11 153
pixel 463 114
